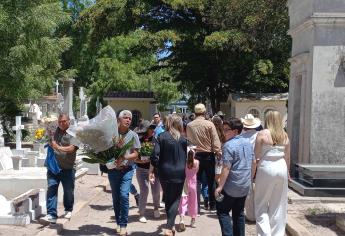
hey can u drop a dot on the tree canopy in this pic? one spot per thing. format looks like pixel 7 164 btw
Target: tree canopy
pixel 30 50
pixel 210 47
pixel 204 48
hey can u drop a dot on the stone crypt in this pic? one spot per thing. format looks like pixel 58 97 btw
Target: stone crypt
pixel 316 110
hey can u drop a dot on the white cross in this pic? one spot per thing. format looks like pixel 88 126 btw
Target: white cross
pixel 57 86
pixel 18 128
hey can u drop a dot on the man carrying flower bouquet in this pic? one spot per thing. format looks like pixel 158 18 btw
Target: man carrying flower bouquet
pixel 120 176
pixel 65 147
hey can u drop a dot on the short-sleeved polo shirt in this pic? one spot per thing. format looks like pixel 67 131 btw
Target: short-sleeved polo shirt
pixel 239 153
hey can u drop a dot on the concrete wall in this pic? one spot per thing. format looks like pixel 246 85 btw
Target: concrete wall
pixel 143 106
pixel 243 108
pixel 316 92
pixel 328 106
pixel 301 10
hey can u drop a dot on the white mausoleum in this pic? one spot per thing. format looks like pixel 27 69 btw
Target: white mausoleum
pixel 238 105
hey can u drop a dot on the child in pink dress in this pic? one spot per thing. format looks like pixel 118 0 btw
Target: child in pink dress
pixel 189 199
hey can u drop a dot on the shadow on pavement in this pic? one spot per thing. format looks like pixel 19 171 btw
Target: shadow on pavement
pixel 89 230
pixel 101 207
pixel 158 232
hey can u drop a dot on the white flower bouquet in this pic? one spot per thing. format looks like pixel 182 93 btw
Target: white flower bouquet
pixel 102 143
pixel 98 133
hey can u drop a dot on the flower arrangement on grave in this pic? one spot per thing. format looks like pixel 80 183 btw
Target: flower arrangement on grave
pixel 146 150
pixel 40 134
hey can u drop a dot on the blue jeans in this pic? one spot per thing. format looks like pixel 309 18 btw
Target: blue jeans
pixel 67 179
pixel 236 204
pixel 206 168
pixel 133 190
pixel 120 183
pixel 204 187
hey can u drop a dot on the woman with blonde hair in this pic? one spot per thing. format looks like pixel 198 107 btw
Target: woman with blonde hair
pixel 169 160
pixel 272 151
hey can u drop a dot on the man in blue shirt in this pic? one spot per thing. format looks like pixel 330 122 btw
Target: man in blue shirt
pixel 158 123
pixel 238 165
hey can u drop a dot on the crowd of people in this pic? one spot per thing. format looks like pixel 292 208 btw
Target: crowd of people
pixel 236 165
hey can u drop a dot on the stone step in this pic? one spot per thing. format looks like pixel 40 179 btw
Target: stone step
pixel 304 190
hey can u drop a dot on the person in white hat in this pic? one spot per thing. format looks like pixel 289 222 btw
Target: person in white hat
pixel 250 123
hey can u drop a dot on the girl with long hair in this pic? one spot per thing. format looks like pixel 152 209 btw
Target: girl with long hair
pixel 169 160
pixel 272 151
pixel 189 200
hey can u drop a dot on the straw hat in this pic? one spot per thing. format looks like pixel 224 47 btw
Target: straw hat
pixel 250 122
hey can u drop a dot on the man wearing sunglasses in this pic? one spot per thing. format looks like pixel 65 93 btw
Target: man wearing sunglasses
pixel 65 148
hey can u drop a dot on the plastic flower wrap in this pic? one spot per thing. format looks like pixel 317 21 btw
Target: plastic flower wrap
pixel 47 130
pixel 100 138
pixel 50 124
pixel 98 133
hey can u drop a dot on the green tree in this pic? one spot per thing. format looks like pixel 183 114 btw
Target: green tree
pixel 120 54
pixel 129 63
pixel 228 46
pixel 30 51
pixel 212 47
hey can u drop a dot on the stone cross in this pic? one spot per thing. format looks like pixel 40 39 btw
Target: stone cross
pixel 57 87
pixel 87 100
pixel 68 98
pixel 18 128
pixel 98 106
pixel 82 102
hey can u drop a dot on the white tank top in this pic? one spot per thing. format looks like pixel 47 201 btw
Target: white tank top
pixel 272 151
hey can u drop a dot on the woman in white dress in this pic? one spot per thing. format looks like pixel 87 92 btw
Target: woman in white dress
pixel 272 151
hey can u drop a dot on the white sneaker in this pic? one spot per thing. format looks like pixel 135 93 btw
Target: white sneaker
pixel 68 215
pixel 48 219
pixel 156 213
pixel 143 219
pixel 162 205
pixel 192 223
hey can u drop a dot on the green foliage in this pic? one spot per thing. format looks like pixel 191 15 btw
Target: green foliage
pixel 112 153
pixel 129 63
pixel 30 50
pixel 207 48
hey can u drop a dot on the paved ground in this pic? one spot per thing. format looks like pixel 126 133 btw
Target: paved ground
pixel 94 216
pixel 97 219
